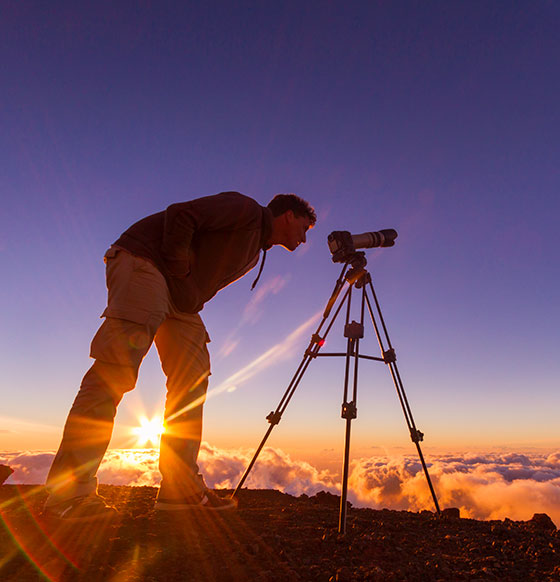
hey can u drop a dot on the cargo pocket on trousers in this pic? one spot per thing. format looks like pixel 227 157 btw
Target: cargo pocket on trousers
pixel 124 341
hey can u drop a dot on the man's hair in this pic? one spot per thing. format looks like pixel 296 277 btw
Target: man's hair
pixel 284 202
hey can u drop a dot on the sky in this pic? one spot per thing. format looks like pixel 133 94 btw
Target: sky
pixel 438 119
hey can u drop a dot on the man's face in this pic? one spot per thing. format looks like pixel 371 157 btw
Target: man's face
pixel 295 228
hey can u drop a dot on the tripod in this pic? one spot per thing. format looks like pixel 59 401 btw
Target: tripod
pixel 355 274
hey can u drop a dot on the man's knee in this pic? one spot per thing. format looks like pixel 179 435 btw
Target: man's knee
pixel 104 381
pixel 123 342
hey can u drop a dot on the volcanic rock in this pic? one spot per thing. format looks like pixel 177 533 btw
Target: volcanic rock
pixel 451 513
pixel 271 537
pixel 542 521
pixel 5 472
pixel 329 499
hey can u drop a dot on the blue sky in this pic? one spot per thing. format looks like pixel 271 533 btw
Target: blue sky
pixel 439 119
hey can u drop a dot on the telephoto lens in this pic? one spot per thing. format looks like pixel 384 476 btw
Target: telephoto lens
pixel 381 238
pixel 342 244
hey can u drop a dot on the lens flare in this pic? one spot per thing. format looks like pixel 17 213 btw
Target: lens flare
pixel 149 431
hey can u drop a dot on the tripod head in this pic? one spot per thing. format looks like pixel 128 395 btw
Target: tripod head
pixel 357 260
pixel 357 273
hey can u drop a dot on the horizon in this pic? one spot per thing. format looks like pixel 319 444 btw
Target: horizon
pixel 482 485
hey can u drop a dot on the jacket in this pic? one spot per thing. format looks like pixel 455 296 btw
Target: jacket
pixel 202 245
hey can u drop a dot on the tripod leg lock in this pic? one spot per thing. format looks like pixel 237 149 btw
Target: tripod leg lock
pixel 274 417
pixel 316 343
pixel 349 410
pixel 390 357
pixel 416 435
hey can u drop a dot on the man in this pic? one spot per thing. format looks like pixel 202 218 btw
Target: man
pixel 160 272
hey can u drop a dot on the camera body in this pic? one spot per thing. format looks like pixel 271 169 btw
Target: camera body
pixel 343 245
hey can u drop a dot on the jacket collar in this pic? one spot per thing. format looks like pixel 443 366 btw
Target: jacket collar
pixel 266 229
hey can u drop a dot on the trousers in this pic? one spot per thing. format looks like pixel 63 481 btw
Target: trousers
pixel 139 312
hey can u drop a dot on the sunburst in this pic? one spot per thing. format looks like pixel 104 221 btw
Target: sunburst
pixel 149 431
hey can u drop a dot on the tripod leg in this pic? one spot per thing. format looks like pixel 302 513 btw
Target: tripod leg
pixel 390 359
pixel 415 435
pixel 275 416
pixel 344 491
pixel 253 460
pixel 310 353
pixel 354 332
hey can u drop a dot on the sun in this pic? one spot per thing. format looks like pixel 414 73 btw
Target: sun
pixel 149 431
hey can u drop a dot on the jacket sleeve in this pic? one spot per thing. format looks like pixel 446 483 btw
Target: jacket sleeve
pixel 183 220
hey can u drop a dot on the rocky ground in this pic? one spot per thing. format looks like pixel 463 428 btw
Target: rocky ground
pixel 270 537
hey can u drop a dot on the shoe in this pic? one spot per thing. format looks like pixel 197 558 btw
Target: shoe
pixel 206 500
pixel 81 509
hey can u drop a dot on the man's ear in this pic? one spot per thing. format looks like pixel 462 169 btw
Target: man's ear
pixel 289 215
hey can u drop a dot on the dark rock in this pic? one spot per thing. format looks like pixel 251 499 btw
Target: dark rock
pixel 326 498
pixel 5 472
pixel 542 521
pixel 272 537
pixel 451 513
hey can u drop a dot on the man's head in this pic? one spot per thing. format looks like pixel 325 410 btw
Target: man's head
pixel 292 217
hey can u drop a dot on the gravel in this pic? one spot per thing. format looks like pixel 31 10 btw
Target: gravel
pixel 270 537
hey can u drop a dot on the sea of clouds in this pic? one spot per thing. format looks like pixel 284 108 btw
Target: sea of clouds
pixel 483 486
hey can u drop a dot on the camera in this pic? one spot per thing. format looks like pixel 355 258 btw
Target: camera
pixel 342 244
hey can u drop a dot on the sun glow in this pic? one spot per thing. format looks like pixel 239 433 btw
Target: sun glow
pixel 149 431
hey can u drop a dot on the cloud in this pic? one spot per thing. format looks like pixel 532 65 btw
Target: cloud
pixel 228 346
pixel 130 467
pixel 277 353
pixel 253 310
pixel 482 486
pixel 274 469
pixel 29 467
pixel 119 467
pixel 553 460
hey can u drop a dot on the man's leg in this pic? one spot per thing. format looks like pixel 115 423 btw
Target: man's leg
pixel 137 304
pixel 181 343
pixel 89 425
